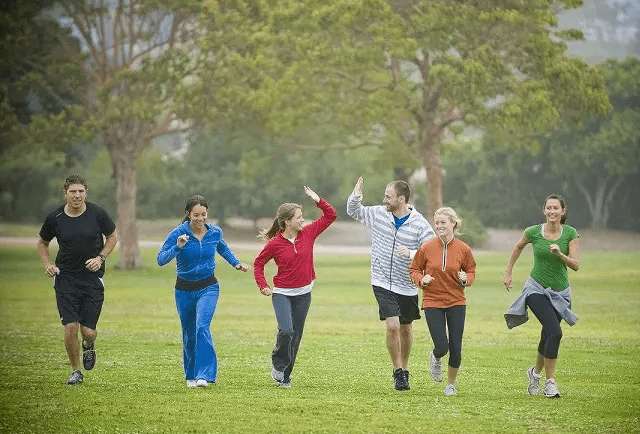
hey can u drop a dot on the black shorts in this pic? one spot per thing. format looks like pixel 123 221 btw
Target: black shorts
pixel 79 300
pixel 392 304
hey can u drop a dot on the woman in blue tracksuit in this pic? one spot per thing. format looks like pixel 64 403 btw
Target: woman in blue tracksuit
pixel 194 244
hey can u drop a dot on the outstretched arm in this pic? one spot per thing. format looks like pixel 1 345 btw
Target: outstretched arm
pixel 515 254
pixel 329 214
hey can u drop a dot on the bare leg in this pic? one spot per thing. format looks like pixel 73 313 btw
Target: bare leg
pixel 453 373
pixel 406 339
pixel 394 342
pixel 88 335
pixel 539 364
pixel 72 344
pixel 549 367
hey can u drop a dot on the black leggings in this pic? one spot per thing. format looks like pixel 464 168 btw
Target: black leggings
pixel 551 334
pixel 453 319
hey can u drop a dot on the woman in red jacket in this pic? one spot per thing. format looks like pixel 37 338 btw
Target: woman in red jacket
pixel 290 245
pixel 444 267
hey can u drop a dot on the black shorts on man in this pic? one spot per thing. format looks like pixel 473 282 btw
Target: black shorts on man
pixel 79 300
pixel 392 304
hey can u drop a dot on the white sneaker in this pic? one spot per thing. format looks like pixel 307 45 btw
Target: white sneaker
pixel 450 390
pixel 551 390
pixel 435 367
pixel 191 383
pixel 284 385
pixel 201 382
pixel 534 382
pixel 278 376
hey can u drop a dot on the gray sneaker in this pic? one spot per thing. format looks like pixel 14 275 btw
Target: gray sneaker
pixel 450 390
pixel 534 382
pixel 278 376
pixel 76 378
pixel 435 367
pixel 88 356
pixel 284 384
pixel 550 389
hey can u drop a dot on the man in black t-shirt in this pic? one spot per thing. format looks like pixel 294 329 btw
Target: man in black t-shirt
pixel 78 227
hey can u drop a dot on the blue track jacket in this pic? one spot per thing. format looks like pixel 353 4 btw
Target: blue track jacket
pixel 196 260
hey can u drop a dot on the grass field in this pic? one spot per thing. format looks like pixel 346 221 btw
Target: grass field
pixel 342 382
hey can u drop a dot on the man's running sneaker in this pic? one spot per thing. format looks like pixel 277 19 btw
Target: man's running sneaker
pixel 550 389
pixel 400 379
pixel 76 378
pixel 406 377
pixel 435 367
pixel 534 382
pixel 88 356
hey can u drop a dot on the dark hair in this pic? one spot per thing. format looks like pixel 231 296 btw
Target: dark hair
pixel 191 202
pixel 562 204
pixel 286 211
pixel 402 189
pixel 74 178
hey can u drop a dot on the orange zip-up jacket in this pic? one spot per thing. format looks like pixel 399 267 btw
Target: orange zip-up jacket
pixel 442 262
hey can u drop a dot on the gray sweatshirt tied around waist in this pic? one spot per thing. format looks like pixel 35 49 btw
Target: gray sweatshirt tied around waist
pixel 560 300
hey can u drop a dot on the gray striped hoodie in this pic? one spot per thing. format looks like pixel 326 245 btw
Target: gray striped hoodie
pixel 388 269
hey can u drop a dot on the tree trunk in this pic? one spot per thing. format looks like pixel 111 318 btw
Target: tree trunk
pixel 435 177
pixel 124 158
pixel 600 199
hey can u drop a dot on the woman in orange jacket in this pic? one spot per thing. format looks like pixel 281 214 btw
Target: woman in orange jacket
pixel 443 267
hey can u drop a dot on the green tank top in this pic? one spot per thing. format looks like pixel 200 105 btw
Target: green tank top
pixel 548 270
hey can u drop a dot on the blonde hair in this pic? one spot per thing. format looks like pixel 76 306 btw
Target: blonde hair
pixel 285 212
pixel 451 215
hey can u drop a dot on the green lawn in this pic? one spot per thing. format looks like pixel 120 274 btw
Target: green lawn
pixel 342 381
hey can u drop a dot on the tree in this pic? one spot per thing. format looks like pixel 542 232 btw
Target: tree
pixel 405 74
pixel 27 48
pixel 602 153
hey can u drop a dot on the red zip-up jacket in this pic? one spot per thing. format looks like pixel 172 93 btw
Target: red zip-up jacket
pixel 294 260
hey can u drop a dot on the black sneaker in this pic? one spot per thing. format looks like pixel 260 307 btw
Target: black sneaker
pixel 400 379
pixel 406 377
pixel 88 357
pixel 76 378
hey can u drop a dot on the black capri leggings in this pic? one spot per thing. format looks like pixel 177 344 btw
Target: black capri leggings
pixel 453 319
pixel 551 334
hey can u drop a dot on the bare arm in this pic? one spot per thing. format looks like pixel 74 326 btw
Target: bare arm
pixel 94 264
pixel 515 254
pixel 43 252
pixel 573 259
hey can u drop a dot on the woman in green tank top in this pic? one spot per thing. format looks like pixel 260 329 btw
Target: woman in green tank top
pixel 555 247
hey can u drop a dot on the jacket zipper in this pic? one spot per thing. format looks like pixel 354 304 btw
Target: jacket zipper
pixel 444 253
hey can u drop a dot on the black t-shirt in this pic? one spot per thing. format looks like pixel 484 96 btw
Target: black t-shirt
pixel 79 238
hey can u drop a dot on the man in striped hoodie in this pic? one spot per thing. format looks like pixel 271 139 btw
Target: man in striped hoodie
pixel 397 232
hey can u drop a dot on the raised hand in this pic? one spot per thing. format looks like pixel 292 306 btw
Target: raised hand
pixel 312 194
pixel 357 190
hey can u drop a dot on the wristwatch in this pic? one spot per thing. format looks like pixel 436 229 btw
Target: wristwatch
pixel 103 257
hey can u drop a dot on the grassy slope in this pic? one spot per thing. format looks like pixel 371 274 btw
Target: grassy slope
pixel 342 381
